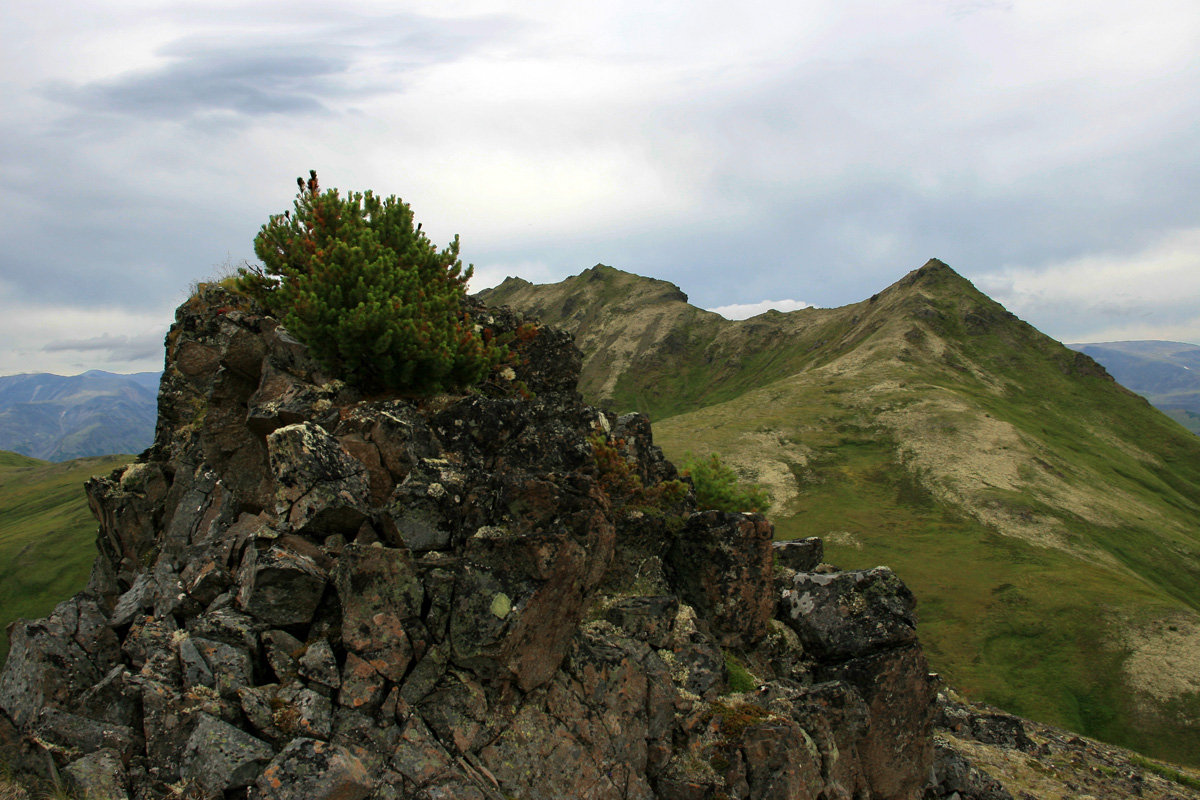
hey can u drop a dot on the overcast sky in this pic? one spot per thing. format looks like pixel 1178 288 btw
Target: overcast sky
pixel 797 152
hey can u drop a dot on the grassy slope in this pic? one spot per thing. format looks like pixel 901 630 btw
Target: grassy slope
pixel 1040 512
pixel 47 533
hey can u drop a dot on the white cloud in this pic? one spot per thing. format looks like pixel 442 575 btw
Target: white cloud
pixel 1147 294
pixel 747 310
pixel 67 340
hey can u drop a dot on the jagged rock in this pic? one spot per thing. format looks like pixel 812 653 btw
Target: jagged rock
pixel 282 651
pixel 899 694
pixel 46 668
pixel 844 614
pixel 68 736
pixel 362 687
pixel 381 604
pixel 230 667
pixel 319 665
pixel 800 555
pixel 116 699
pixel 645 618
pixel 300 711
pixel 987 725
pixel 419 756
pixel 723 565
pixel 279 585
pixel 98 776
pixel 322 490
pixel 308 769
pixel 219 756
pixel 303 594
pixel 954 776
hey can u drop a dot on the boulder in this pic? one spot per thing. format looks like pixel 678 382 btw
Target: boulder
pixel 845 614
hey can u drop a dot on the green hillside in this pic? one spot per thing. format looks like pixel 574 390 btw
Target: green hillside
pixel 1045 517
pixel 47 533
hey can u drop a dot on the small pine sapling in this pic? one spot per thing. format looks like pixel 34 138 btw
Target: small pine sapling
pixel 376 302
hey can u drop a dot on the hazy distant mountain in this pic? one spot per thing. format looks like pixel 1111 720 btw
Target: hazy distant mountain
pixel 1043 514
pixel 1165 373
pixel 56 418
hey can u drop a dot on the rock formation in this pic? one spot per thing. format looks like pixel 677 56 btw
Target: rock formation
pixel 306 593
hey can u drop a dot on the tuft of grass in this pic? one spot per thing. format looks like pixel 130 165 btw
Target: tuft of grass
pixel 1165 771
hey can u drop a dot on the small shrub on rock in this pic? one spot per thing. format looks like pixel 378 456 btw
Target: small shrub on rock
pixel 375 301
pixel 717 486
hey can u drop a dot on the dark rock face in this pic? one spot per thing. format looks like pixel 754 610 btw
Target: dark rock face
pixel 302 593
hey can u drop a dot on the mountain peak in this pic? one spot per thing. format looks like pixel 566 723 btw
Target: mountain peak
pixel 934 272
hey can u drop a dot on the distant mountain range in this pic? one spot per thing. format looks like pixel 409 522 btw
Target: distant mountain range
pixel 57 418
pixel 1043 514
pixel 1165 373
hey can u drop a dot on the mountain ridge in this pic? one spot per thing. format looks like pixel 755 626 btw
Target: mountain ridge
pixel 95 413
pixel 927 419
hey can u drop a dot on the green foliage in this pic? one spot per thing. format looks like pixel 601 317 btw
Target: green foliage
pixel 717 486
pixel 737 676
pixel 1162 770
pixel 375 301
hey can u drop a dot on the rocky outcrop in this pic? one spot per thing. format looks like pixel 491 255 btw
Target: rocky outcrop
pixel 305 593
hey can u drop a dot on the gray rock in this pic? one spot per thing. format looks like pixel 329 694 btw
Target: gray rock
pixel 381 598
pixel 723 566
pixel 419 756
pixel 279 586
pixel 98 776
pixel 321 489
pixel 847 614
pixel 137 600
pixel 645 618
pixel 69 736
pixel 308 769
pixel 231 667
pixel 801 555
pixel 362 687
pixel 46 667
pixel 299 711
pixel 318 664
pixel 282 651
pixel 195 669
pixel 219 756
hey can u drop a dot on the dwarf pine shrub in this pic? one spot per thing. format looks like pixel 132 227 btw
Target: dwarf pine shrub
pixel 717 486
pixel 375 301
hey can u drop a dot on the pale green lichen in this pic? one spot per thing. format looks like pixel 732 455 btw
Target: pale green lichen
pixel 679 672
pixel 501 605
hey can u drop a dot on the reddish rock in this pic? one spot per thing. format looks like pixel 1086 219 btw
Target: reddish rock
pixel 723 566
pixel 381 598
pixel 308 769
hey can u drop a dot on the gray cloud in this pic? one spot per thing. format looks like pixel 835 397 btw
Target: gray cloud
pixel 216 79
pixel 310 71
pixel 110 348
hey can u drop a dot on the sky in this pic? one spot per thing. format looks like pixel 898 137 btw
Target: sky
pixel 782 154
